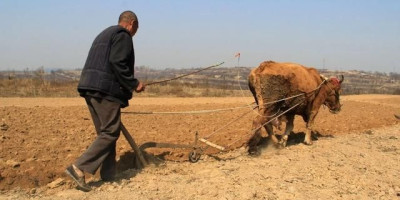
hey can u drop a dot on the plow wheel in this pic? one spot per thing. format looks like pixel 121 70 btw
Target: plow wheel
pixel 194 156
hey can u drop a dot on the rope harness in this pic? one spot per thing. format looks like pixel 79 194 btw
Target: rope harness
pixel 256 129
pixel 276 117
pixel 189 112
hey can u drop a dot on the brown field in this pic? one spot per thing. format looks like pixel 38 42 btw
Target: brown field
pixel 357 155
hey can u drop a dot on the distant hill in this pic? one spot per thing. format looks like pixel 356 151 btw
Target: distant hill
pixel 232 78
pixel 355 82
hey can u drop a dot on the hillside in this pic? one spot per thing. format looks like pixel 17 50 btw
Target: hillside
pixel 223 78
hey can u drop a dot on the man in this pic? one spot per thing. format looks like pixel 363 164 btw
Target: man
pixel 107 83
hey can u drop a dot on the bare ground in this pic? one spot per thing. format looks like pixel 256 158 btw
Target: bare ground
pixel 356 156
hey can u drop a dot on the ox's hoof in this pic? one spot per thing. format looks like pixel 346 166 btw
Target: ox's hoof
pixel 283 141
pixel 255 154
pixel 308 142
pixel 253 151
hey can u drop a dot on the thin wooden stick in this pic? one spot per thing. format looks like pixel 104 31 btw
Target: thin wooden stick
pixel 212 144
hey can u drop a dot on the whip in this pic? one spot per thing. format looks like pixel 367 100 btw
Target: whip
pixel 178 77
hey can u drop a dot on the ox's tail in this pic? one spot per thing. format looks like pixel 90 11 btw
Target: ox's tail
pixel 251 87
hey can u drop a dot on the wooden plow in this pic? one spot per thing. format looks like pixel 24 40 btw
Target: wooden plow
pixel 194 155
pixel 197 150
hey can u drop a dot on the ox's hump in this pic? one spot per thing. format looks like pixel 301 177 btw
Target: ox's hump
pixel 265 64
pixel 301 78
pixel 272 67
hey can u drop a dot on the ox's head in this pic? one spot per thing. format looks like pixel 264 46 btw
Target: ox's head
pixel 333 92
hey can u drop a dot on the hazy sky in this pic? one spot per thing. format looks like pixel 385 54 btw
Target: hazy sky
pixel 337 34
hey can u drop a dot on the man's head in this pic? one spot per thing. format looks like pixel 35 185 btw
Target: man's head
pixel 129 21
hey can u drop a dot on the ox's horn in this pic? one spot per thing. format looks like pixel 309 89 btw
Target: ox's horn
pixel 323 77
pixel 341 78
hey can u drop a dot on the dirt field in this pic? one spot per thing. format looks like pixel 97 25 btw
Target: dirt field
pixel 356 156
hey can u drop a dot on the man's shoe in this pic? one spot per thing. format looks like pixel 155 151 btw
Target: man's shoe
pixel 78 180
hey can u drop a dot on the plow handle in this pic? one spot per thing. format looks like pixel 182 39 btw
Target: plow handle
pixel 139 154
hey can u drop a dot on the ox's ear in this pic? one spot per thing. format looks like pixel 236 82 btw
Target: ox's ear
pixel 341 78
pixel 334 80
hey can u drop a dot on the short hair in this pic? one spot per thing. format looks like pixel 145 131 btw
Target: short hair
pixel 127 16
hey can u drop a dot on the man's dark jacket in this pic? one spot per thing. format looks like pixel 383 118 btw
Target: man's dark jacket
pixel 109 69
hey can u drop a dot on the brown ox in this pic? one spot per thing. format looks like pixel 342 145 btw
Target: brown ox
pixel 272 82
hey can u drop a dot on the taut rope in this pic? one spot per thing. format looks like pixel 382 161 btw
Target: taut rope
pixel 254 130
pixel 190 112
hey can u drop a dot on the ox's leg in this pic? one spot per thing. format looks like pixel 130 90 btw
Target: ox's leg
pixel 307 139
pixel 270 131
pixel 309 126
pixel 288 129
pixel 255 139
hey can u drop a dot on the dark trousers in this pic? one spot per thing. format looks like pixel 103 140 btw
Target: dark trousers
pixel 106 117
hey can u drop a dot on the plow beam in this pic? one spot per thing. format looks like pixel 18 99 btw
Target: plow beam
pixel 212 144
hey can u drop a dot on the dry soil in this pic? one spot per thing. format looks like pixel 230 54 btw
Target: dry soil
pixel 356 156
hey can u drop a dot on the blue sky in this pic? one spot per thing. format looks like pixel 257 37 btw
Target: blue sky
pixel 335 34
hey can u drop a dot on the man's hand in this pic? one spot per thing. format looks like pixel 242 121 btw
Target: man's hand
pixel 140 88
